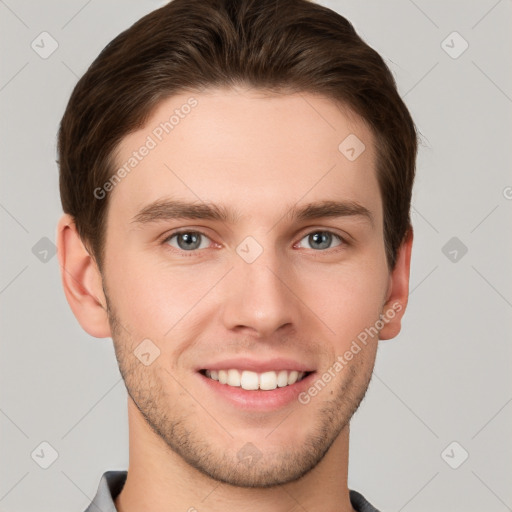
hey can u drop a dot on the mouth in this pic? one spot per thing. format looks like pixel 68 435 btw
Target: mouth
pixel 253 381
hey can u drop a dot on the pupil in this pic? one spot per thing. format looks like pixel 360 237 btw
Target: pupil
pixel 189 240
pixel 322 238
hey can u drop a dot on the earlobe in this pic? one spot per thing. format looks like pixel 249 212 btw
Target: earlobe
pixel 398 291
pixel 81 280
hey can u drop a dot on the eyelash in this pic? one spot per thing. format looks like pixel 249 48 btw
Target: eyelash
pixel 194 252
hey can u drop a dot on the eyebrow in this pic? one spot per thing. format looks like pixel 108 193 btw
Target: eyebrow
pixel 168 209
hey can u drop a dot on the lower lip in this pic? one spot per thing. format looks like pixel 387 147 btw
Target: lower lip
pixel 259 400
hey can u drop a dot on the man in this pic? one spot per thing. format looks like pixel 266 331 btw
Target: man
pixel 236 179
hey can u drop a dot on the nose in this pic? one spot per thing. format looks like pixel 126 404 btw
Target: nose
pixel 259 296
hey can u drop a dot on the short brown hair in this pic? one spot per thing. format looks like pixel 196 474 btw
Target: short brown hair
pixel 187 45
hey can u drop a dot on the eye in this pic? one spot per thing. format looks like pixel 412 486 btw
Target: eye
pixel 187 240
pixel 191 241
pixel 319 240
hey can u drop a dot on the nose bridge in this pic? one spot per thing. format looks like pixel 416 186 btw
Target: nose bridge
pixel 258 295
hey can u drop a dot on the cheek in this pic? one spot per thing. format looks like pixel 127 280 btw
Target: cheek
pixel 155 299
pixel 152 299
pixel 346 299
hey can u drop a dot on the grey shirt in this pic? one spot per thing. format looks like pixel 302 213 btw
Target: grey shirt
pixel 112 482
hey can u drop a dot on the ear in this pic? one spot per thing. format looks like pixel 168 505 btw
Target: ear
pixel 398 290
pixel 81 280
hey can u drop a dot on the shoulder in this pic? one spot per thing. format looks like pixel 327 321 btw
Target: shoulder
pixel 360 503
pixel 110 486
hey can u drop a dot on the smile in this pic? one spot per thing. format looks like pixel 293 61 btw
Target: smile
pixel 251 381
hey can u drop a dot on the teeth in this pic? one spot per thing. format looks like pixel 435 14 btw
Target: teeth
pixel 292 377
pixel 233 378
pixel 268 380
pixel 248 380
pixel 282 378
pixel 251 381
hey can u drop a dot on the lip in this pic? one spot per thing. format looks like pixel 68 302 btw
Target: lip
pixel 278 363
pixel 257 400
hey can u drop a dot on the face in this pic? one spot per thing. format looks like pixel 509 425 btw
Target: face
pixel 266 285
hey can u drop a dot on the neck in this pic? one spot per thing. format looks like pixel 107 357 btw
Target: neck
pixel 159 480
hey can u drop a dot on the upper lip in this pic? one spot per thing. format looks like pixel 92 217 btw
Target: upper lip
pixel 258 366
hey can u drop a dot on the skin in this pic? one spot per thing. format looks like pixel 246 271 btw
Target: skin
pixel 259 154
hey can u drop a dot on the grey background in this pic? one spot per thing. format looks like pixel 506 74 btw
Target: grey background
pixel 445 378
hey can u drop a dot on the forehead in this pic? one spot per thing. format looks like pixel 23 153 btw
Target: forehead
pixel 249 149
